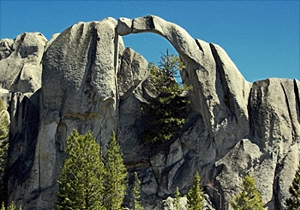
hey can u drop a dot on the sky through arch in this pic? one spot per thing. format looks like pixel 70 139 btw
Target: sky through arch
pixel 151 46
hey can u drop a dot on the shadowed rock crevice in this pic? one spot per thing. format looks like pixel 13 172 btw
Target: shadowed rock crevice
pixel 225 97
pixel 88 89
pixel 199 45
pixel 297 99
pixel 23 136
pixel 288 109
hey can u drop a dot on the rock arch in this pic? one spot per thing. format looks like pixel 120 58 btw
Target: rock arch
pixel 209 70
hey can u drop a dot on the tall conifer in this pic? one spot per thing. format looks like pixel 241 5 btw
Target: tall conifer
pixel 10 207
pixel 136 194
pixel 115 181
pixel 176 202
pixel 165 113
pixel 81 179
pixel 293 202
pixel 249 198
pixel 195 195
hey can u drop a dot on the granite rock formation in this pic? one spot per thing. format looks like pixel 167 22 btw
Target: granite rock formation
pixel 85 78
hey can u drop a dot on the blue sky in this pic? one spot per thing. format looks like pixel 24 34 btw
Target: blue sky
pixel 261 37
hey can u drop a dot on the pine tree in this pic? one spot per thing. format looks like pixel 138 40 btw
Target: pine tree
pixel 249 198
pixel 81 179
pixel 115 181
pixel 11 206
pixel 136 194
pixel 293 202
pixel 164 114
pixel 195 195
pixel 176 202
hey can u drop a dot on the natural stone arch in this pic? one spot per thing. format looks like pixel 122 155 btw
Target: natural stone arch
pixel 183 43
pixel 209 70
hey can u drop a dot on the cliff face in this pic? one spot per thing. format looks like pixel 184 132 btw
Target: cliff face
pixel 84 78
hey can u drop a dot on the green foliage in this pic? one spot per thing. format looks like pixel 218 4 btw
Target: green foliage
pixel 136 194
pixel 293 202
pixel 176 202
pixel 88 183
pixel 81 179
pixel 4 144
pixel 10 207
pixel 115 176
pixel 165 113
pixel 195 195
pixel 249 198
pixel 171 64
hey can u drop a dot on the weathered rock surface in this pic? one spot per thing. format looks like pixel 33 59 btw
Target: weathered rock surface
pixel 85 78
pixel 20 62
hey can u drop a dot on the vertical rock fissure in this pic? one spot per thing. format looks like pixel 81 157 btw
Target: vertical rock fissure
pixel 199 45
pixel 221 74
pixel 90 61
pixel 250 111
pixel 116 61
pixel 289 110
pixel 276 187
pixel 297 97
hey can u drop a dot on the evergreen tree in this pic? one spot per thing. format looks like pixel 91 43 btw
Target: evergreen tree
pixel 4 143
pixel 176 202
pixel 115 178
pixel 195 195
pixel 165 113
pixel 81 179
pixel 293 202
pixel 249 198
pixel 136 195
pixel 10 207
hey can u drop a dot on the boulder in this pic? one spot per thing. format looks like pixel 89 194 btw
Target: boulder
pixel 20 66
pixel 272 148
pixel 6 48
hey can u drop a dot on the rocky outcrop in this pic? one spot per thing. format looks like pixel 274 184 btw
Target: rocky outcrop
pixel 79 91
pixel 271 151
pixel 21 70
pixel 20 62
pixel 90 81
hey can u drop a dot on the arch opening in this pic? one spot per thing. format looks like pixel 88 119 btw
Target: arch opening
pixel 152 47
